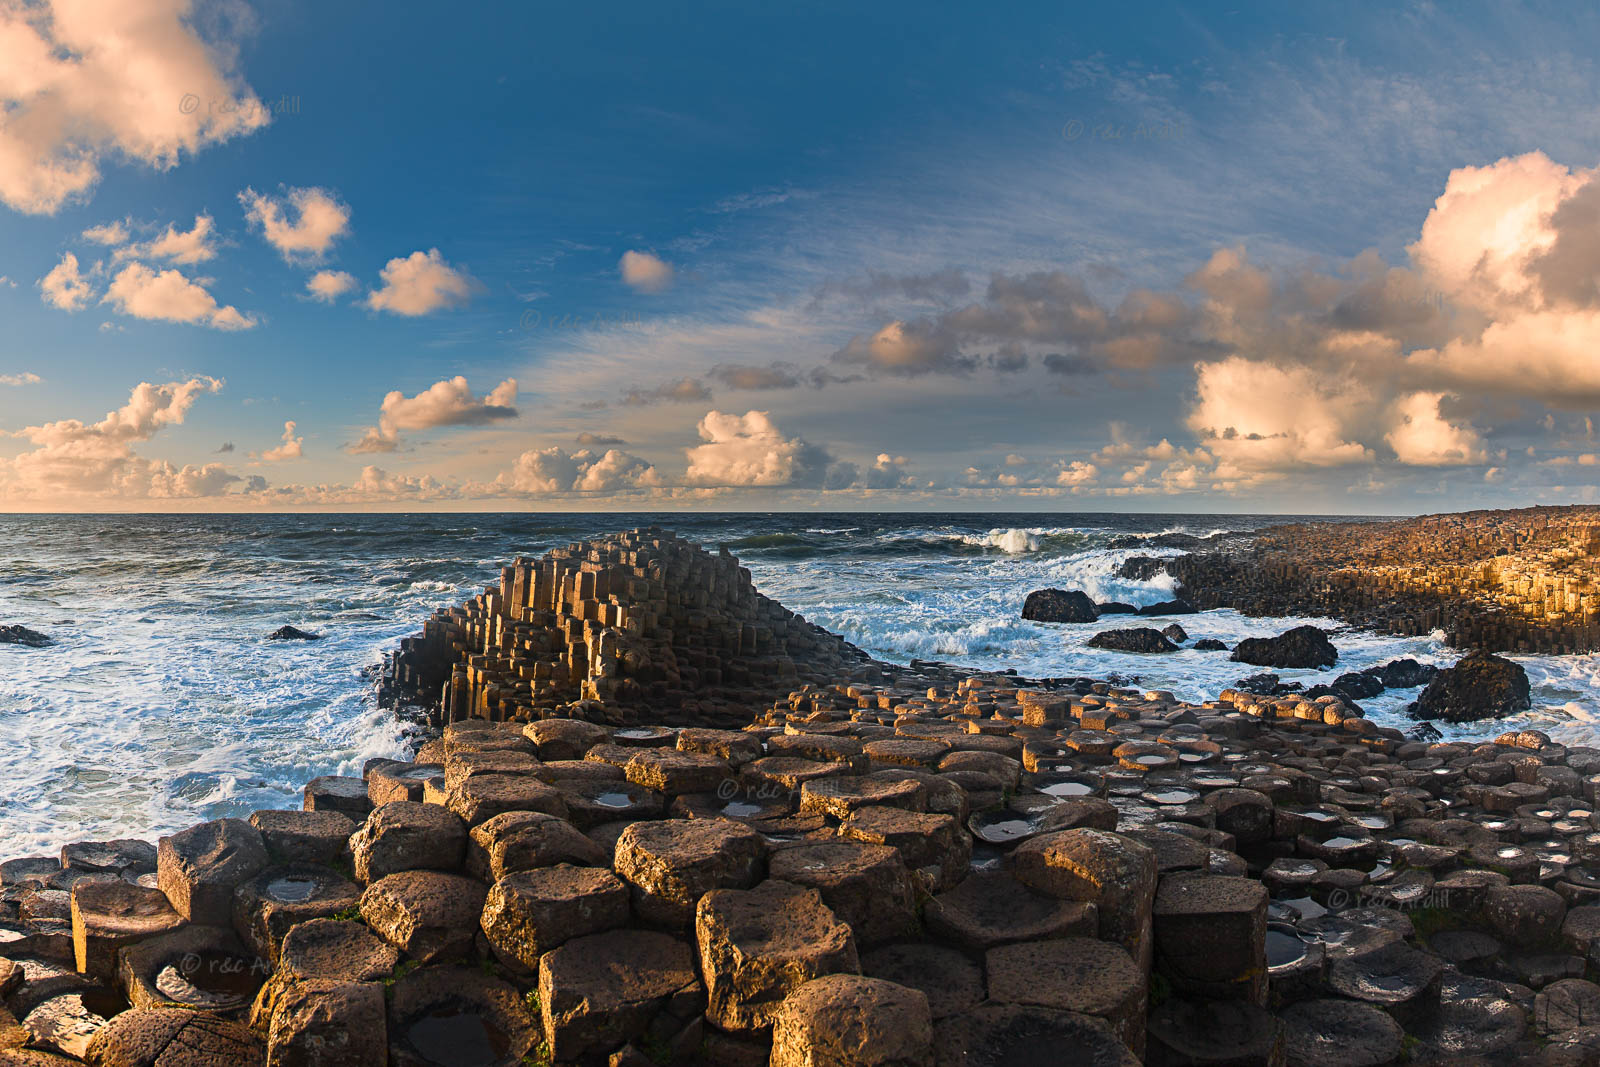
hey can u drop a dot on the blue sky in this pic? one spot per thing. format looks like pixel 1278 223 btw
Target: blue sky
pixel 1328 257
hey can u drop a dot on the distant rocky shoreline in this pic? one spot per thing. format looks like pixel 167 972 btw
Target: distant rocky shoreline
pixel 1523 581
pixel 667 821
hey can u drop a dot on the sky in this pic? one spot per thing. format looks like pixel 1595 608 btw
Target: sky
pixel 284 256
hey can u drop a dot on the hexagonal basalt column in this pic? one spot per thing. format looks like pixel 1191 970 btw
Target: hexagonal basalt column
pixel 199 868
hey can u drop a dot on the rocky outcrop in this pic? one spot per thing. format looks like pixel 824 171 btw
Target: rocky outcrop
pixel 1135 639
pixel 1059 605
pixel 20 635
pixel 290 633
pixel 1480 686
pixel 1506 581
pixel 1304 647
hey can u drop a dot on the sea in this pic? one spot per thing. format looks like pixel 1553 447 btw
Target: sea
pixel 162 703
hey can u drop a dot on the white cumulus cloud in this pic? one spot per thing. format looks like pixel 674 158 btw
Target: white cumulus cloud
pixel 84 80
pixel 421 284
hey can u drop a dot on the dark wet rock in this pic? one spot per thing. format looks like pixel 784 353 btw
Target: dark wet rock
pixel 1016 1035
pixel 1360 686
pixel 1304 647
pixel 290 633
pixel 1481 685
pixel 1403 673
pixel 1210 644
pixel 1141 568
pixel 1340 1033
pixel 1424 732
pixel 21 635
pixel 1059 605
pixel 1267 684
pixel 1178 606
pixel 1116 607
pixel 1175 633
pixel 1137 639
pixel 1183 1033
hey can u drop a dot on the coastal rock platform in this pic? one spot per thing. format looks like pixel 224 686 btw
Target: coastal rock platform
pixel 671 823
pixel 1526 580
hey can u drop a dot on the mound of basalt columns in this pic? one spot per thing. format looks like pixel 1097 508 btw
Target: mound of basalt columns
pixel 1503 581
pixel 931 868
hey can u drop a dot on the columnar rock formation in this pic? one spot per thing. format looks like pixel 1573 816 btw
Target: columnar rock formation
pixel 926 870
pixel 1512 581
pixel 640 619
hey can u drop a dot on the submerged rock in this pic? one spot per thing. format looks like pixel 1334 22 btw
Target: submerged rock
pixel 1059 605
pixel 1178 606
pixel 1209 644
pixel 1137 639
pixel 1267 683
pixel 1302 647
pixel 289 633
pixel 21 635
pixel 1482 685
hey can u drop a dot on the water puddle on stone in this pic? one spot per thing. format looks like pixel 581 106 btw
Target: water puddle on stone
pixel 1284 948
pixel 1171 796
pixel 293 889
pixel 740 809
pixel 1067 789
pixel 613 800
pixel 459 1039
pixel 1342 842
pixel 1152 760
pixel 639 734
pixel 216 980
pixel 1000 831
